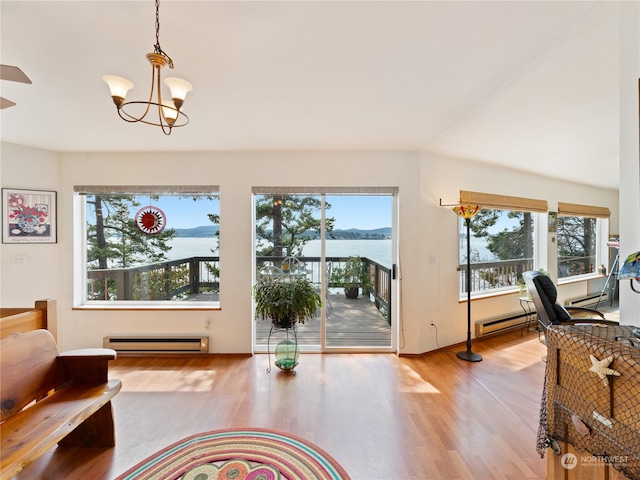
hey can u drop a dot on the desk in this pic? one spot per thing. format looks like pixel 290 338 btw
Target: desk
pixel 526 304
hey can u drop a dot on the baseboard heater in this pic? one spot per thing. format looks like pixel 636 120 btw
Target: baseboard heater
pixel 498 324
pixel 591 299
pixel 157 344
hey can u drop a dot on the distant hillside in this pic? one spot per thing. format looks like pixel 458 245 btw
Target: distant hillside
pixel 358 234
pixel 207 231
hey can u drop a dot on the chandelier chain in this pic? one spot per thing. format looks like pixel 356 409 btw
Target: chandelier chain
pixel 157 48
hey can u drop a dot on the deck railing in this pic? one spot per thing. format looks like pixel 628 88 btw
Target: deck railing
pixel 171 280
pixel 379 276
pixel 489 276
pixel 569 266
pixel 184 278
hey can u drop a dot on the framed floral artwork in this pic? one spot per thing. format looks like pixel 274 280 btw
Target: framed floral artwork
pixel 28 216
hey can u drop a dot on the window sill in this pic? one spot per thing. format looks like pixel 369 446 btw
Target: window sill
pixel 493 294
pixel 581 278
pixel 141 306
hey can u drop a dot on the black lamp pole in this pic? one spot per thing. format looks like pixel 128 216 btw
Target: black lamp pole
pixel 468 355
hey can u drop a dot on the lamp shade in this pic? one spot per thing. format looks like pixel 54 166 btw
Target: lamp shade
pixel 119 86
pixel 179 88
pixel 631 268
pixel 467 211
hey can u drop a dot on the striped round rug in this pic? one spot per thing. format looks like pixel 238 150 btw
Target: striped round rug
pixel 239 454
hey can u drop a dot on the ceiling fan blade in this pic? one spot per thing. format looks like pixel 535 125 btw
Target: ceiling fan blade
pixel 13 74
pixel 4 103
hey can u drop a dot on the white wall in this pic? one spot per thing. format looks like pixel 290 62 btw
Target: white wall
pixel 629 151
pixel 427 242
pixel 30 271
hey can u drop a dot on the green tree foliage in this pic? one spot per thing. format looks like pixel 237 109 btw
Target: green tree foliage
pixel 283 220
pixel 507 244
pixel 115 241
pixel 576 245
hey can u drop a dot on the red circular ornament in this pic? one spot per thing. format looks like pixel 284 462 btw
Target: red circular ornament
pixel 150 220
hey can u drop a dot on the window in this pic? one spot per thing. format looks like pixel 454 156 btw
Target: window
pixel 579 237
pixel 158 245
pixel 502 247
pixel 577 242
pixel 502 241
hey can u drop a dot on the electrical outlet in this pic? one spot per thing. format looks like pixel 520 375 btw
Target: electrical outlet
pixel 207 324
pixel 433 324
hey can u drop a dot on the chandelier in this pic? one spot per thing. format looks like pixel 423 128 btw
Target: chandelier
pixel 168 113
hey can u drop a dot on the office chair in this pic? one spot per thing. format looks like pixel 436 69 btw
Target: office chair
pixel 544 295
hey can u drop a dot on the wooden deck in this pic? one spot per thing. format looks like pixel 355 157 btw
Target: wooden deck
pixel 350 324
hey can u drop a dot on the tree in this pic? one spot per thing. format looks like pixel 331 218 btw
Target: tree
pixel 116 241
pixel 507 244
pixel 514 243
pixel 282 222
pixel 576 245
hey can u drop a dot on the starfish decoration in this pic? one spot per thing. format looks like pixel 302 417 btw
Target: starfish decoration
pixel 601 368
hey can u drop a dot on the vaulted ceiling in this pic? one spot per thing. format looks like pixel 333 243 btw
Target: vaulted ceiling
pixel 529 85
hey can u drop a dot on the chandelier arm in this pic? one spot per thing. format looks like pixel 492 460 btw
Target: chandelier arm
pixel 161 118
pixel 184 119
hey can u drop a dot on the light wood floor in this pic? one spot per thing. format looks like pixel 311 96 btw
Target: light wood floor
pixel 381 416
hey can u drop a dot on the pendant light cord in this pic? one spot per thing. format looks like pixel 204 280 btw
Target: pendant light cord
pixel 156 47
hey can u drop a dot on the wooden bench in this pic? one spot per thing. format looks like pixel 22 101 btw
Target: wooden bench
pixel 51 398
pixel 24 319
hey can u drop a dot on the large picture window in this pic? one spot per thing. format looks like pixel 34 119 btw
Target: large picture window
pixel 158 246
pixel 577 246
pixel 502 247
pixel 580 232
pixel 502 240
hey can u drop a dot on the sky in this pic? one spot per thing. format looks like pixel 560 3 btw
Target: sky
pixel 362 212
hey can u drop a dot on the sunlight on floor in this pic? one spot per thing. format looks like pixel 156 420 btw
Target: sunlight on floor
pixel 172 381
pixel 418 385
pixel 523 361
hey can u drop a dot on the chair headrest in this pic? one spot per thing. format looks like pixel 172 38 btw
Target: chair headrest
pixel 546 287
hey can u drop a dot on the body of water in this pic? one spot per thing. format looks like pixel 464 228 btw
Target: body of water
pixel 377 250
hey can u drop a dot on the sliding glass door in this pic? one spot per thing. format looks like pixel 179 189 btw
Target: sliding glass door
pixel 344 244
pixel 359 255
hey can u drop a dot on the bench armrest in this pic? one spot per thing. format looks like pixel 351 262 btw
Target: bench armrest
pixel 88 365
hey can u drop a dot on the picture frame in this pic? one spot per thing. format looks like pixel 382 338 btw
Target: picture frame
pixel 552 222
pixel 29 216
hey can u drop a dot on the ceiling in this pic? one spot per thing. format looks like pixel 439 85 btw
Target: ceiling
pixel 529 85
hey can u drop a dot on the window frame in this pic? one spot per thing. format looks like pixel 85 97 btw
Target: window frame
pixel 601 250
pixel 80 297
pixel 536 256
pixel 602 215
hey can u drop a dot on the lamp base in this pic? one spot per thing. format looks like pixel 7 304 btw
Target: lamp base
pixel 469 356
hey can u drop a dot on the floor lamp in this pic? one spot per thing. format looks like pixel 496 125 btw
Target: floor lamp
pixel 468 212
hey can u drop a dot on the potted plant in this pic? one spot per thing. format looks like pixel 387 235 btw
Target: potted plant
pixel 286 300
pixel 353 276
